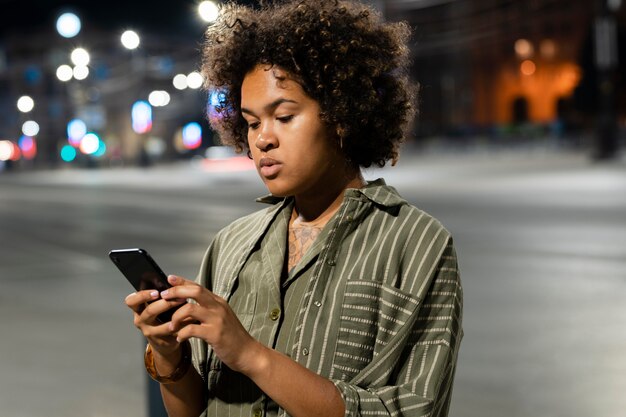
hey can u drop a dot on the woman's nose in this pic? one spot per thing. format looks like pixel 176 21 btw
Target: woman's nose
pixel 266 139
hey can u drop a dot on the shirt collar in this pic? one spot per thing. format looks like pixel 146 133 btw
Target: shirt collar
pixel 376 191
pixel 270 199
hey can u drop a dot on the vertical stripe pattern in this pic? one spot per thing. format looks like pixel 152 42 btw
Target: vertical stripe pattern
pixel 379 308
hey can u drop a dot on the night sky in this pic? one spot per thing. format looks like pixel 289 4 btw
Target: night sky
pixel 154 15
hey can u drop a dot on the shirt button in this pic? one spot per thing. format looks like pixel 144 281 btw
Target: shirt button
pixel 257 413
pixel 349 218
pixel 317 303
pixel 305 352
pixel 331 262
pixel 275 314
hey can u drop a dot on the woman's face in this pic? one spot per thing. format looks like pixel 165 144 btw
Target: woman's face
pixel 290 145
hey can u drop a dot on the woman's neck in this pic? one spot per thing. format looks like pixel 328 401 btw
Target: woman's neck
pixel 318 209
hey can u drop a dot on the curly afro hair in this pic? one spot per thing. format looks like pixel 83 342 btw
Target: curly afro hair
pixel 341 52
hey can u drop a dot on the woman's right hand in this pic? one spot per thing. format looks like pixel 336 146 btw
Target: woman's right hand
pixel 146 306
pixel 186 396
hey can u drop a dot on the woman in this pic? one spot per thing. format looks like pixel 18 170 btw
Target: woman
pixel 340 298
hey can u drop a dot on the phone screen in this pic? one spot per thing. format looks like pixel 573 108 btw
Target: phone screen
pixel 142 272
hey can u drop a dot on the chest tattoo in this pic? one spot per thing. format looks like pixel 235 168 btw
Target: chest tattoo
pixel 300 240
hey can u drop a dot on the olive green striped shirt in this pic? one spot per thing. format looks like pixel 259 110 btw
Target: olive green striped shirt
pixel 377 303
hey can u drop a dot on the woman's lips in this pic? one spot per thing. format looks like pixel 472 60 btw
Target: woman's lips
pixel 269 167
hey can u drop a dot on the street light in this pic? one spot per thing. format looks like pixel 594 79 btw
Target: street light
pixel 130 39
pixel 194 80
pixel 7 150
pixel 159 98
pixel 180 81
pixel 80 72
pixel 524 49
pixel 30 128
pixel 208 11
pixel 80 57
pixel 65 73
pixel 89 144
pixel 25 104
pixel 68 25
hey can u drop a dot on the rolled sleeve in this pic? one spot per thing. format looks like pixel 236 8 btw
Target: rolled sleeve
pixel 403 400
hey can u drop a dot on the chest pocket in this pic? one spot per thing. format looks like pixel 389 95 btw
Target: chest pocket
pixel 372 315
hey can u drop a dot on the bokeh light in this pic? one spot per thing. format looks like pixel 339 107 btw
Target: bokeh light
pixel 523 48
pixel 30 128
pixel 28 146
pixel 130 39
pixel 141 117
pixel 194 80
pixel 180 81
pixel 528 67
pixel 6 150
pixel 89 144
pixel 192 135
pixel 548 48
pixel 80 57
pixel 159 98
pixel 102 149
pixel 9 151
pixel 25 104
pixel 65 72
pixel 68 25
pixel 68 153
pixel 208 11
pixel 76 129
pixel 80 72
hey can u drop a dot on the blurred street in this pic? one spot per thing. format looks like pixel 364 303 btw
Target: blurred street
pixel 519 151
pixel 541 238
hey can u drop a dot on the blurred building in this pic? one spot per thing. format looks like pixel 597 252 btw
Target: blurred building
pixel 485 67
pixel 117 77
pixel 496 64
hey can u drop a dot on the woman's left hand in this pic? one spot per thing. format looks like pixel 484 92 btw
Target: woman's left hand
pixel 211 319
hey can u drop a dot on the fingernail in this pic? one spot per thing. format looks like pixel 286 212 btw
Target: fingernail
pixel 170 326
pixel 154 294
pixel 172 279
pixel 164 293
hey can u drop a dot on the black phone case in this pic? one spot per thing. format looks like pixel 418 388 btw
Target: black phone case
pixel 142 272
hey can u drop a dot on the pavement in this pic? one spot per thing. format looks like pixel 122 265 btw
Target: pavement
pixel 540 233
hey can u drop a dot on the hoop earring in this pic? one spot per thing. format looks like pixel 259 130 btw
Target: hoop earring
pixel 249 154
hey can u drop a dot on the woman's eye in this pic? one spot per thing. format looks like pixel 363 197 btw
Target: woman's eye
pixel 253 125
pixel 284 119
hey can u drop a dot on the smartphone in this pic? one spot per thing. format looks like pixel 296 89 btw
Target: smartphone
pixel 143 273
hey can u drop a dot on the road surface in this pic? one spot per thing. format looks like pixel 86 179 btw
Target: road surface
pixel 541 238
